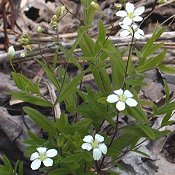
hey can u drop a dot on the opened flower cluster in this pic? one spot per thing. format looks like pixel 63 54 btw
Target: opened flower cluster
pixel 130 17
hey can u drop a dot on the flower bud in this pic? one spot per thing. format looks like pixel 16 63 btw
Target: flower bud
pixel 60 12
pixel 122 1
pixel 95 6
pixel 22 54
pixel 54 18
pixel 39 29
pixel 162 1
pixel 53 24
pixel 11 52
pixel 118 6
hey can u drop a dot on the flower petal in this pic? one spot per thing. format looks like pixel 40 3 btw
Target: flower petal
pixel 103 148
pixel 128 94
pixel 121 13
pixel 131 102
pixel 41 149
pixel 138 11
pixel 137 35
pixel 119 92
pixel 126 27
pixel 129 7
pixel 99 138
pixel 112 98
pixel 124 33
pixel 34 156
pixel 86 146
pixel 127 21
pixel 51 153
pixel 120 105
pixel 88 139
pixel 141 32
pixel 35 164
pixel 48 162
pixel 97 154
pixel 137 18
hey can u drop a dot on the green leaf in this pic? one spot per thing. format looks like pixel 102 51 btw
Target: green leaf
pixel 149 47
pixel 152 62
pixel 148 131
pixel 50 74
pixel 101 37
pixel 87 45
pixel 81 125
pixel 117 64
pixel 102 79
pixel 31 99
pixel 167 69
pixel 7 164
pixel 77 157
pixel 62 124
pixel 40 120
pixel 165 121
pixel 24 83
pixel 167 108
pixel 60 171
pixel 70 87
pixel 126 140
pixel 167 91
pixel 137 113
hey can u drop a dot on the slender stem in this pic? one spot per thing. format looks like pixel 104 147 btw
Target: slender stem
pixel 70 11
pixel 39 46
pixel 129 56
pixel 110 143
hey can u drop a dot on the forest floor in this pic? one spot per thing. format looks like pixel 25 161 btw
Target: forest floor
pixel 26 16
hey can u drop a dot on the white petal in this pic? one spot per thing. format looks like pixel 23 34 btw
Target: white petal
pixel 103 148
pixel 36 164
pixel 34 156
pixel 51 153
pixel 120 105
pixel 88 139
pixel 137 35
pixel 124 33
pixel 99 138
pixel 41 149
pixel 128 94
pixel 138 11
pixel 112 98
pixel 126 27
pixel 137 18
pixel 119 92
pixel 131 102
pixel 129 7
pixel 86 146
pixel 141 32
pixel 127 21
pixel 97 154
pixel 48 162
pixel 135 27
pixel 121 13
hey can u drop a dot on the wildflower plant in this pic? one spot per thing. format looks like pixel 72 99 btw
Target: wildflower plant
pixel 77 140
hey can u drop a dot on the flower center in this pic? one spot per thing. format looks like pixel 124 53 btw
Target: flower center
pixel 95 144
pixel 42 156
pixel 122 98
pixel 131 15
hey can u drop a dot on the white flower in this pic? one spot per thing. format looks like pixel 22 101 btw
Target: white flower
pixel 22 54
pixel 128 30
pixel 11 52
pixel 42 155
pixel 121 97
pixel 95 144
pixel 131 14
